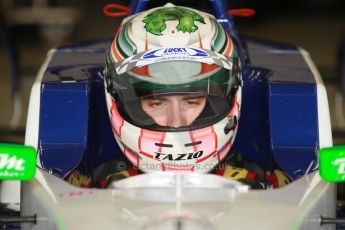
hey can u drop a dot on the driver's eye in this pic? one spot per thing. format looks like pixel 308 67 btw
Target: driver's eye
pixel 156 103
pixel 193 102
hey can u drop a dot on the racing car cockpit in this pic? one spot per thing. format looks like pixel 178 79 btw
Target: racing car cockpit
pixel 177 90
pixel 275 89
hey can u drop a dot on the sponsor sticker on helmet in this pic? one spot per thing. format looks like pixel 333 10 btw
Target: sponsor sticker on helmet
pixel 332 163
pixel 180 53
pixel 175 52
pixel 17 162
pixel 178 157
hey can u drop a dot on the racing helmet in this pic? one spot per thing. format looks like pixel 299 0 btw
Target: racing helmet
pixel 173 57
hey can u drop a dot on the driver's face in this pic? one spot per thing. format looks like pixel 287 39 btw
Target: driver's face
pixel 174 110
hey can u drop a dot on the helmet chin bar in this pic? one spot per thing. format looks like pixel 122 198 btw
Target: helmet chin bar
pixel 203 149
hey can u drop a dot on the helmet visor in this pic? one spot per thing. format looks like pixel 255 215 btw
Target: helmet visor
pixel 172 95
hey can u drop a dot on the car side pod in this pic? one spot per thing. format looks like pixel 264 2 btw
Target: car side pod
pixel 17 162
pixel 332 169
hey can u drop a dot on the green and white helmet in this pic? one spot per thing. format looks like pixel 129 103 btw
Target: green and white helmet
pixel 176 55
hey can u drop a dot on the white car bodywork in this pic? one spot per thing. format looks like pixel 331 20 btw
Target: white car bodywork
pixel 223 205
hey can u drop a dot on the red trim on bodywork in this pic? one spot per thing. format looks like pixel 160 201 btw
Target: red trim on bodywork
pixel 102 183
pixel 124 10
pixel 272 179
pixel 251 176
pixel 243 12
pixel 132 172
pixel 220 170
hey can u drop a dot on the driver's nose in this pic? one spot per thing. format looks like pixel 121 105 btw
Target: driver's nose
pixel 176 117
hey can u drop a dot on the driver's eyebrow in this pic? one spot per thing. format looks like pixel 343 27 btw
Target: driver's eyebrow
pixel 189 97
pixel 165 98
pixel 160 98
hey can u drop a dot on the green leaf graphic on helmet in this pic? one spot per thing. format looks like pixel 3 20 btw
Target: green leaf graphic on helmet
pixel 155 21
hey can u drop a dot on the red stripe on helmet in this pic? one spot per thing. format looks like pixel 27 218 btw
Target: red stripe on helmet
pixel 142 71
pixel 117 120
pixel 228 46
pixel 218 157
pixel 205 158
pixel 114 47
pixel 146 154
pixel 204 135
pixel 215 136
pixel 206 68
pixel 200 41
pixel 131 156
pixel 224 150
pixel 146 43
pixel 193 140
pixel 149 138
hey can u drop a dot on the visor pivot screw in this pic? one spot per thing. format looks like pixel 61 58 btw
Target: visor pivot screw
pixel 231 125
